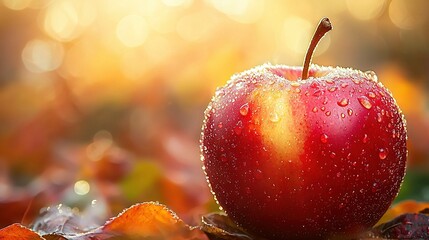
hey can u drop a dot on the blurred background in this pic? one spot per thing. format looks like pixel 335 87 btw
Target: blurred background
pixel 101 102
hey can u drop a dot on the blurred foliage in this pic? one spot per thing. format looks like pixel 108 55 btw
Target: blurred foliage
pixel 103 100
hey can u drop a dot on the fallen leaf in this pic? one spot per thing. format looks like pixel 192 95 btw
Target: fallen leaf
pixel 17 231
pixel 408 206
pixel 219 226
pixel 405 226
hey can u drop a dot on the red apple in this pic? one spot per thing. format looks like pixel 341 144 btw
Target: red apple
pixel 304 158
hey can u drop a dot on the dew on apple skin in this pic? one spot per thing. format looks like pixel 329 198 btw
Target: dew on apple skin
pixel 349 111
pixel 382 154
pixel 379 118
pixel 325 101
pixel 317 93
pixel 332 89
pixel 343 115
pixel 238 128
pixel 324 138
pixel 220 125
pixel 371 94
pixel 244 109
pixel 274 117
pixel 371 75
pixel 365 138
pixel 295 84
pixel 258 174
pixel 344 85
pixel 364 101
pixel 328 113
pixel 315 109
pixel 314 85
pixel 343 102
pixel 322 109
pixel 374 187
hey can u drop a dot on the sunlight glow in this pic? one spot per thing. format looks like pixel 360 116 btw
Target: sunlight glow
pixel 81 187
pixel 132 30
pixel 42 56
pixel 16 4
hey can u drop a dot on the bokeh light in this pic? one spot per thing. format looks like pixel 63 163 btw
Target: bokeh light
pixel 16 4
pixel 366 9
pixel 81 187
pixel 42 55
pixel 132 30
pixel 66 19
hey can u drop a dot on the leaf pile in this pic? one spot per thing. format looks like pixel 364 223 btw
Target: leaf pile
pixel 151 220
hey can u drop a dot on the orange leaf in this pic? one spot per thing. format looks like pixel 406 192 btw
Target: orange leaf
pixel 408 206
pixel 17 231
pixel 152 220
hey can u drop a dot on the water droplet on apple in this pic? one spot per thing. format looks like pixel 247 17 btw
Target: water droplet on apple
pixel 330 81
pixel 349 111
pixel 258 174
pixel 244 109
pixel 332 89
pixel 295 84
pixel 371 94
pixel 322 109
pixel 349 156
pixel 314 85
pixel 328 113
pixel 343 102
pixel 365 138
pixel 371 75
pixel 354 163
pixel 343 115
pixel 238 128
pixel 317 93
pixel 315 109
pixel 332 155
pixel 344 85
pixel 382 154
pixel 220 125
pixel 364 101
pixel 374 187
pixel 379 118
pixel 297 90
pixel 324 138
pixel 325 101
pixel 274 117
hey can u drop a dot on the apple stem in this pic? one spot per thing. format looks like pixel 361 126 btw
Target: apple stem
pixel 323 27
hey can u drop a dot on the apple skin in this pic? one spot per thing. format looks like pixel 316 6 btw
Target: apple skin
pixel 304 159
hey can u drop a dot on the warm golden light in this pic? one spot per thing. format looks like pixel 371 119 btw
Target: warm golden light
pixel 132 30
pixel 42 55
pixel 16 4
pixel 244 11
pixel 176 3
pixel 406 15
pixel 366 9
pixel 81 187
